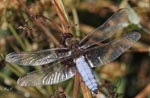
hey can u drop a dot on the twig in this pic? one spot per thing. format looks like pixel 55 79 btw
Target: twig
pixel 85 90
pixel 76 22
pixel 144 92
pixel 76 85
pixel 62 15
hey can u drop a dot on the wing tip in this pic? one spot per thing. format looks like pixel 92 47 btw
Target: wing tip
pixel 8 57
pixel 137 35
pixel 23 82
pixel 20 82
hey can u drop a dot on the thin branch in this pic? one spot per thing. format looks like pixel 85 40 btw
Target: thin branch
pixel 144 92
pixel 85 90
pixel 76 85
pixel 61 14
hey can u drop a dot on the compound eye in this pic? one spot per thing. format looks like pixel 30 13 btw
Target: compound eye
pixel 68 42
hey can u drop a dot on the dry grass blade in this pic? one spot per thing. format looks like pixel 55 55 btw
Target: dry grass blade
pixel 61 13
pixel 42 23
pixel 144 92
pixel 59 93
pixel 85 90
pixel 76 85
pixel 2 60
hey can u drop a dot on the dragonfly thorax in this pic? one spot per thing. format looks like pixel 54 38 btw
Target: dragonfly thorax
pixel 72 43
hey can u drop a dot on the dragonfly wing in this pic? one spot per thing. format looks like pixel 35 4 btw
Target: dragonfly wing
pixel 54 74
pixel 38 58
pixel 116 22
pixel 101 55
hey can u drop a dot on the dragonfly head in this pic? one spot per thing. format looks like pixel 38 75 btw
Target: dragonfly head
pixel 65 36
pixel 69 41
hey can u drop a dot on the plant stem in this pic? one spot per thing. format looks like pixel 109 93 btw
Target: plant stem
pixel 76 85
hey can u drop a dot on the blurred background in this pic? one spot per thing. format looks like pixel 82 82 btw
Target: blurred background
pixel 128 75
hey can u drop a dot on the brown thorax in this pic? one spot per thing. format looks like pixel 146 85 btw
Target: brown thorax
pixel 73 44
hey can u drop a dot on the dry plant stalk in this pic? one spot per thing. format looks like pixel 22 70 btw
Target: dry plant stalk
pixel 62 15
pixel 85 90
pixel 76 85
pixel 144 92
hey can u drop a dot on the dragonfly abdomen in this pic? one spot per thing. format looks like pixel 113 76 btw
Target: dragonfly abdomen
pixel 86 74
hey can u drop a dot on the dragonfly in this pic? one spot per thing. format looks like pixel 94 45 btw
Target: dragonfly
pixel 77 55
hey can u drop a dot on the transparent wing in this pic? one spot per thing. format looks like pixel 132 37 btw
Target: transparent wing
pixel 101 55
pixel 38 58
pixel 116 22
pixel 54 74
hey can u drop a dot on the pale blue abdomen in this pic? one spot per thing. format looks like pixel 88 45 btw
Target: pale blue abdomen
pixel 86 74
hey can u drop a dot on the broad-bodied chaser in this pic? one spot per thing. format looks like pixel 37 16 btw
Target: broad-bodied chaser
pixel 77 55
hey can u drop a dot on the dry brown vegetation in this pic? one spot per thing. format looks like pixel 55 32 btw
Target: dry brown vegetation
pixel 29 25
